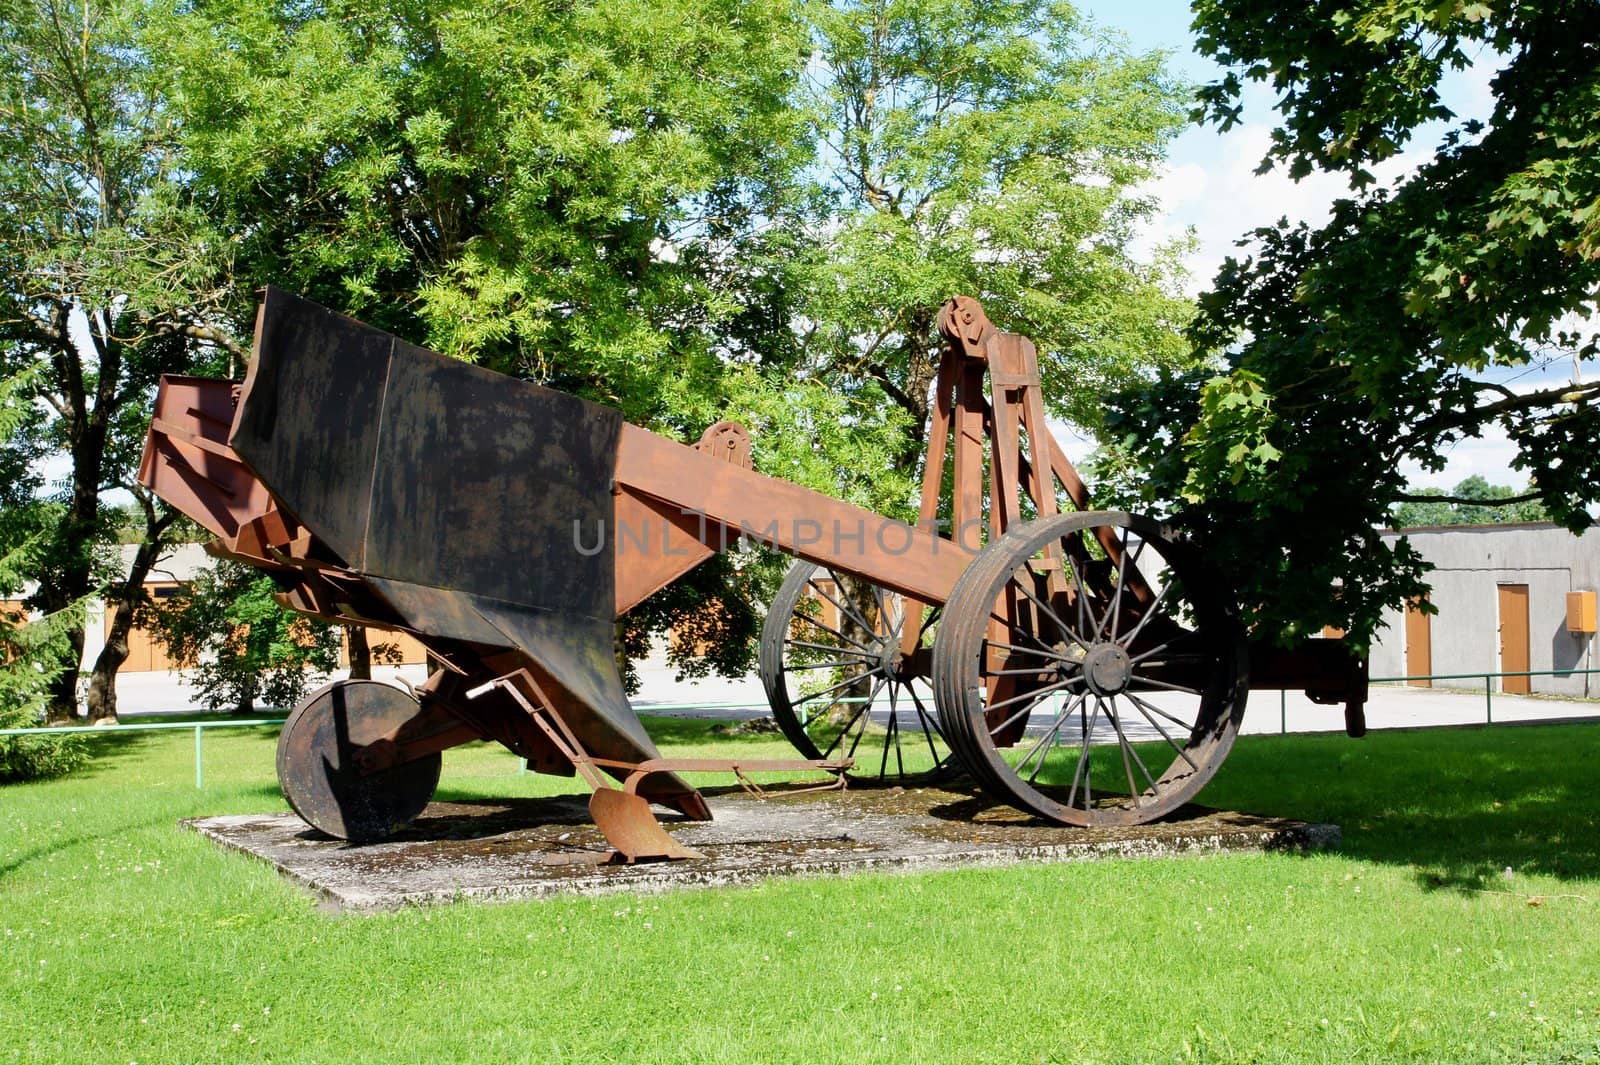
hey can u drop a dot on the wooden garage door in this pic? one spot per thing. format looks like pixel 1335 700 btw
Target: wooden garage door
pixel 1419 646
pixel 145 652
pixel 1514 637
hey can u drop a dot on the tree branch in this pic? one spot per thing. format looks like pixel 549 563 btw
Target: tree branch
pixel 206 333
pixel 1513 403
pixel 1526 497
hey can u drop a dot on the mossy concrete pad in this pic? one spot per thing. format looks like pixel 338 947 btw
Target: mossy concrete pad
pixel 532 848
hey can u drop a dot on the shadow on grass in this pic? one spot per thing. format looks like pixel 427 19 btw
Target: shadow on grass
pixel 1459 805
pixel 1456 805
pixel 698 732
pixel 107 751
pixel 58 844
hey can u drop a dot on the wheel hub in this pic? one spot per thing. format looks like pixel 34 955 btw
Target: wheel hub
pixel 1107 669
pixel 888 651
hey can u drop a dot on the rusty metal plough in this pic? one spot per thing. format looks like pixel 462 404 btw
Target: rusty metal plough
pixel 1081 665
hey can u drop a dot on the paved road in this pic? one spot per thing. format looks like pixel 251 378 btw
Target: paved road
pixel 1391 706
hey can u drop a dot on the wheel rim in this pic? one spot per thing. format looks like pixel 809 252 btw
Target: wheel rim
pixel 317 770
pixel 1076 691
pixel 837 683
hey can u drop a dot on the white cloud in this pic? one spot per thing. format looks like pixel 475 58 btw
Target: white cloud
pixel 1211 187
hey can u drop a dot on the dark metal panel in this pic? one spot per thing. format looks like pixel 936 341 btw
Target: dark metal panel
pixel 479 481
pixel 575 651
pixel 439 612
pixel 308 417
pixel 578 654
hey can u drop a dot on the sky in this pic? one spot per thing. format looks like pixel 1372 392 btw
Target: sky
pixel 1210 186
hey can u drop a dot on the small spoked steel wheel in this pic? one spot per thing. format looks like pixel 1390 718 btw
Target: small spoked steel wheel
pixel 844 680
pixel 319 755
pixel 1087 671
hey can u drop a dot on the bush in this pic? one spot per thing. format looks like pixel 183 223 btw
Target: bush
pixel 242 646
pixel 24 691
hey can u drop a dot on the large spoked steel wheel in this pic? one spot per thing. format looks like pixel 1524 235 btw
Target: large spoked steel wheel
pixel 318 755
pixel 838 682
pixel 1086 671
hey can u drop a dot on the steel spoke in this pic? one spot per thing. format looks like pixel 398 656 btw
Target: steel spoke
pixel 883 612
pixel 1062 625
pixel 1040 651
pixel 1157 710
pixel 845 731
pixel 825 665
pixel 854 613
pixel 1061 719
pixel 870 656
pixel 833 632
pixel 1164 686
pixel 1083 760
pixel 1136 659
pixel 832 687
pixel 1085 614
pixel 1020 713
pixel 923 715
pixel 1172 660
pixel 1127 749
pixel 1114 612
pixel 1145 708
pixel 865 716
pixel 1029 695
pixel 1151 611
pixel 1043 648
pixel 892 737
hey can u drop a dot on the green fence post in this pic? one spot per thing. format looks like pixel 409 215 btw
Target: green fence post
pixel 1283 711
pixel 1488 700
pixel 199 771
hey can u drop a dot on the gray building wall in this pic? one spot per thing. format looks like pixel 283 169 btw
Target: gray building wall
pixel 1470 562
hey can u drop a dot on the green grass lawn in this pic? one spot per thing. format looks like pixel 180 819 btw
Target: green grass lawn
pixel 126 938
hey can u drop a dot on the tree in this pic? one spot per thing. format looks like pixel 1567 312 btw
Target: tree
pixel 1342 351
pixel 991 149
pixel 29 648
pixel 569 194
pixel 242 646
pixel 1472 502
pixel 108 276
pixel 25 682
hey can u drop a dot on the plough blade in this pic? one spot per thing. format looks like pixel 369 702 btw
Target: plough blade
pixel 632 829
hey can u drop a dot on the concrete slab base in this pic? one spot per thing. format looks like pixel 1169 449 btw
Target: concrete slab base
pixel 533 848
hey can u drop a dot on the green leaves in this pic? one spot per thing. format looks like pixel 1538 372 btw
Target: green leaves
pixel 1357 347
pixel 1230 440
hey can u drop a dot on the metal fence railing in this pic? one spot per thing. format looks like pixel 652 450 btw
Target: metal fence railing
pixel 199 727
pixel 1488 679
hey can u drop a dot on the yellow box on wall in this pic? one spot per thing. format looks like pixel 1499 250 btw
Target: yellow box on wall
pixel 1580 612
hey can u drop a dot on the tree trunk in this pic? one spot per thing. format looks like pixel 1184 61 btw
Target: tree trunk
pixel 87 433
pixel 63 706
pixel 360 653
pixel 103 681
